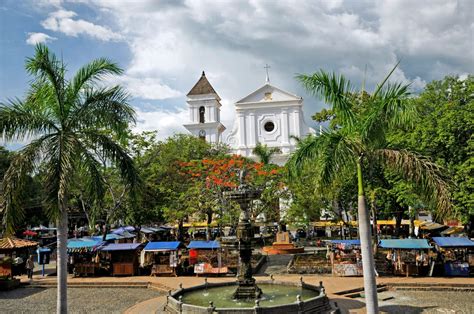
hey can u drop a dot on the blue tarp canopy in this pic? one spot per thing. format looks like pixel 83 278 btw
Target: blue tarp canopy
pixel 120 247
pixel 348 242
pixel 163 246
pixel 204 245
pixel 405 244
pixel 82 244
pixel 453 242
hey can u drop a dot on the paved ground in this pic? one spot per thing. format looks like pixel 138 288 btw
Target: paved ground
pixel 413 302
pixel 81 300
pixel 143 301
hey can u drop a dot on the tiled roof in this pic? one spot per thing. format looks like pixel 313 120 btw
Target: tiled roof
pixel 15 243
pixel 202 87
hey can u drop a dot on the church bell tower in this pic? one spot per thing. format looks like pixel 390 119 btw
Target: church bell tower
pixel 204 111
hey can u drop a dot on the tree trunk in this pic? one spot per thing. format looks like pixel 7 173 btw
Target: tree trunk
pixel 411 214
pixel 89 223
pixel 368 265
pixel 398 221
pixel 374 226
pixel 180 230
pixel 208 228
pixel 61 303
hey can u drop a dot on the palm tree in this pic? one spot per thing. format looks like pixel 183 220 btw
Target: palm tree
pixel 69 124
pixel 359 139
pixel 265 153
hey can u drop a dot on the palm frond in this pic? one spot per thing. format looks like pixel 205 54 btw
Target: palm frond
pixel 19 121
pixel 334 90
pixel 265 153
pixel 338 154
pixel 307 151
pixel 94 185
pixel 23 164
pixel 89 74
pixel 381 84
pixel 332 152
pixel 60 164
pixel 48 68
pixel 106 108
pixel 391 109
pixel 426 175
pixel 105 146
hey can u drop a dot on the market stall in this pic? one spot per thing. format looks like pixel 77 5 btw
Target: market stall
pixel 120 259
pixel 13 255
pixel 455 254
pixel 162 258
pixel 407 256
pixel 206 256
pixel 345 257
pixel 83 257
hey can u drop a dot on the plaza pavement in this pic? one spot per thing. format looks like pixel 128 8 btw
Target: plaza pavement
pixel 332 285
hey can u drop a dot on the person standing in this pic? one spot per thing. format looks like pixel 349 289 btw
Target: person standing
pixel 30 265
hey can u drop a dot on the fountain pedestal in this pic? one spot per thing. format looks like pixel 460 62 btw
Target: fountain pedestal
pixel 247 289
pixel 244 195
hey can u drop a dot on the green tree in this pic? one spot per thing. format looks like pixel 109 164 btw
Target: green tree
pixel 265 153
pixel 70 123
pixel 444 132
pixel 360 138
pixel 166 190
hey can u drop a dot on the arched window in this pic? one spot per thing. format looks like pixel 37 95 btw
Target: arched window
pixel 202 111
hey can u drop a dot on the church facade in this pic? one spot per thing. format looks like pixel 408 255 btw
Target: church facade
pixel 269 115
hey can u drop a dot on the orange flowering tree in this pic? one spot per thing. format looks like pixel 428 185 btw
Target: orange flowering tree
pixel 213 176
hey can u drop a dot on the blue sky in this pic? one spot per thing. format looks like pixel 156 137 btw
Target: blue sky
pixel 164 45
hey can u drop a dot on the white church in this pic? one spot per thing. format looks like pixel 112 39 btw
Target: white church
pixel 269 115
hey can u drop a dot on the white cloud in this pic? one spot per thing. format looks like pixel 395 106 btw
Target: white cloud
pixel 62 21
pixel 36 38
pixel 148 88
pixel 143 87
pixel 165 122
pixel 171 42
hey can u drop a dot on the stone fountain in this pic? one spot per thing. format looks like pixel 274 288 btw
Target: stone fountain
pixel 276 297
pixel 244 195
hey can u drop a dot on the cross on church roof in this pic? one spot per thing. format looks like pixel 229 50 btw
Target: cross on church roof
pixel 266 67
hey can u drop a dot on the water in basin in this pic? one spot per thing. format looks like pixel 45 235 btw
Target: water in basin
pixel 273 294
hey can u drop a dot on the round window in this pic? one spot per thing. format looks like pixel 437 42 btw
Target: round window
pixel 269 126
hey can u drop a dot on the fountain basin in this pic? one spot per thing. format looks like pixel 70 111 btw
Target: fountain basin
pixel 277 297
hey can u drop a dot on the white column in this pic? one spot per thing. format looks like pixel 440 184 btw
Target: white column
pixel 284 126
pixel 207 114
pixel 252 129
pixel 241 118
pixel 196 114
pixel 212 112
pixel 296 122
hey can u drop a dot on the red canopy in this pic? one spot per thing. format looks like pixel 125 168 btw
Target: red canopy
pixel 30 233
